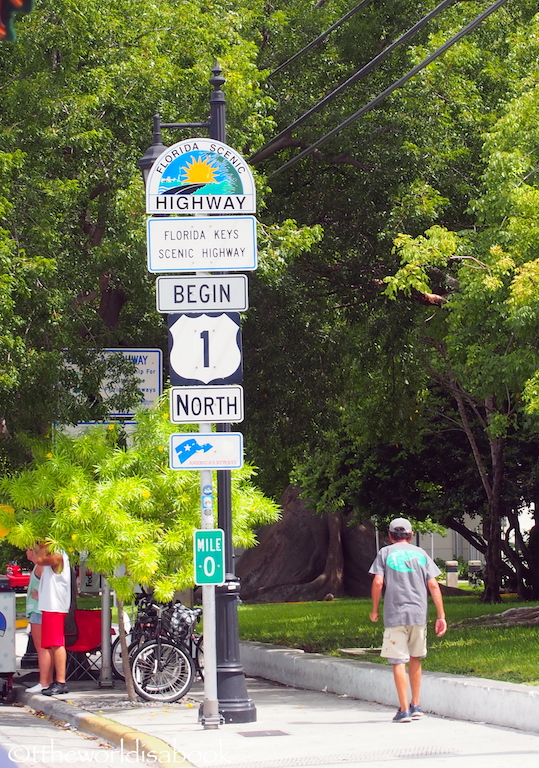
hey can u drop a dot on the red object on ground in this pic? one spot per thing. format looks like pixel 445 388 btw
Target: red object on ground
pixel 16 576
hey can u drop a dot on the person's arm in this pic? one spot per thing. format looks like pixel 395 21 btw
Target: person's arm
pixel 31 555
pixel 376 594
pixel 44 557
pixel 436 593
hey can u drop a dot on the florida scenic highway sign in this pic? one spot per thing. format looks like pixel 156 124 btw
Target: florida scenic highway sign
pixel 200 176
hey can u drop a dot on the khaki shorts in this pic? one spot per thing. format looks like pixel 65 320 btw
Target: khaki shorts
pixel 402 642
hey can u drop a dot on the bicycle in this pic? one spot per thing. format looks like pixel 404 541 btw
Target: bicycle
pixel 164 653
pixel 141 632
pixel 163 669
pixel 145 629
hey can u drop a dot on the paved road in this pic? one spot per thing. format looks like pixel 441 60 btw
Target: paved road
pixel 36 742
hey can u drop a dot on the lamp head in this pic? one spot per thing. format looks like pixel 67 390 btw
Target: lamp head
pixel 148 159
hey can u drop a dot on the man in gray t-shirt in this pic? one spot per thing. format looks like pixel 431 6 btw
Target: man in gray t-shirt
pixel 407 572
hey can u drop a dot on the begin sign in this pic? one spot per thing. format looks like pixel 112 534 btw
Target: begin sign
pixel 201 294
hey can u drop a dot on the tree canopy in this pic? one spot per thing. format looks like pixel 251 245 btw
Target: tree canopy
pixel 122 504
pixel 79 90
pixel 395 301
pixel 428 200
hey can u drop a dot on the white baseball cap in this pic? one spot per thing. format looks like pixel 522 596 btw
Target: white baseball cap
pixel 400 524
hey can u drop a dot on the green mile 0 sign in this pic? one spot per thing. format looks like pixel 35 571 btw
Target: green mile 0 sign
pixel 209 556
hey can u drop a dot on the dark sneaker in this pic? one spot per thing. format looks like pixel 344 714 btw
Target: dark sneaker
pixel 55 689
pixel 415 711
pixel 403 716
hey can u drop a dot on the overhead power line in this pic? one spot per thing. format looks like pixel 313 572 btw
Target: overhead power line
pixel 320 38
pixel 359 74
pixel 397 84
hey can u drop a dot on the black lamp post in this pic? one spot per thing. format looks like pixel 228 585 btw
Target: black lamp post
pixel 234 703
pixel 152 153
pixel 235 706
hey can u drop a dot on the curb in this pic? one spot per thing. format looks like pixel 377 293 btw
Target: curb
pixel 461 698
pixel 142 745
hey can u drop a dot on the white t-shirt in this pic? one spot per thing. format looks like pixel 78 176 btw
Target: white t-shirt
pixel 55 588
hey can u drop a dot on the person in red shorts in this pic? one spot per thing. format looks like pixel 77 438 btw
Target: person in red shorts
pixel 54 602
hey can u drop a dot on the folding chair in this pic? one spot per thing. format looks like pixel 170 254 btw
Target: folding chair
pixel 84 656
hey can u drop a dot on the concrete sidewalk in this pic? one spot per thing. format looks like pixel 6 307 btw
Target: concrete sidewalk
pixel 297 727
pixel 464 698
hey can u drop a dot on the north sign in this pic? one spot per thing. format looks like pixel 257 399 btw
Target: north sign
pixel 205 349
pixel 200 176
pixel 202 294
pixel 201 243
pixel 206 450
pixel 218 405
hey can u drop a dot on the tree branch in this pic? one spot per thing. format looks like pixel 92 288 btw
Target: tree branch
pixel 472 537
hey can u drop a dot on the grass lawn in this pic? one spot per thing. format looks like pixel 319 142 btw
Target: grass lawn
pixel 508 654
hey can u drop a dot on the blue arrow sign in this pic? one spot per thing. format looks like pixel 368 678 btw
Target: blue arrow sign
pixel 209 450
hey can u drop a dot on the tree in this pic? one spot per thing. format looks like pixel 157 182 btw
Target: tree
pixel 80 87
pixel 484 349
pixel 415 162
pixel 411 162
pixel 123 505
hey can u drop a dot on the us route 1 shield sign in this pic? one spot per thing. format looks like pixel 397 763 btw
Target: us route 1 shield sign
pixel 205 349
pixel 207 450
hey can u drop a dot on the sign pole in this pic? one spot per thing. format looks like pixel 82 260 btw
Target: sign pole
pixel 210 706
pixel 234 703
pixel 205 349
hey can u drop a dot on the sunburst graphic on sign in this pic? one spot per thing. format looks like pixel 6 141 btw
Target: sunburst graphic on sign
pixel 201 172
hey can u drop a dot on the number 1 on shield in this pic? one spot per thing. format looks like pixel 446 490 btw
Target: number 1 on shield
pixel 206 353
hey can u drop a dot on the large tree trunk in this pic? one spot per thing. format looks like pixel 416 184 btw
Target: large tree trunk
pixel 517 557
pixel 492 483
pixel 492 526
pixel 533 562
pixel 306 556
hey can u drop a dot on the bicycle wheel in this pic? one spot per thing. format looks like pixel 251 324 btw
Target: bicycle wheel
pixel 117 664
pixel 197 652
pixel 162 671
pixel 116 658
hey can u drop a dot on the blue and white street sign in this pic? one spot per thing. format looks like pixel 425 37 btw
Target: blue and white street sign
pixel 149 369
pixel 206 450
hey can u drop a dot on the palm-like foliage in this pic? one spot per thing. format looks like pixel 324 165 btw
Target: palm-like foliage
pixel 123 505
